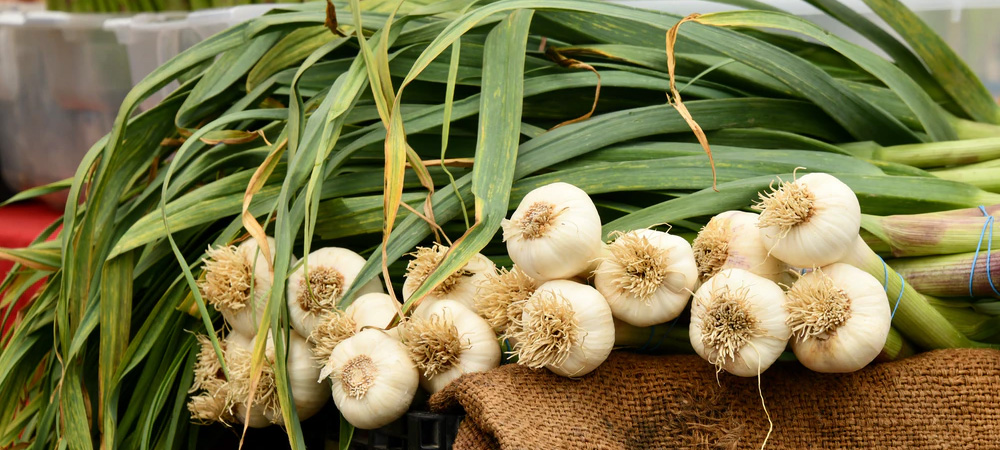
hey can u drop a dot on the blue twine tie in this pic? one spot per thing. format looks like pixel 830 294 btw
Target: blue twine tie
pixel 989 250
pixel 885 284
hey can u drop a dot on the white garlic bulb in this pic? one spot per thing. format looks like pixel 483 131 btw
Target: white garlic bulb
pixel 501 296
pixel 308 393
pixel 738 322
pixel 374 379
pixel 731 240
pixel 840 318
pixel 331 272
pixel 809 222
pixel 554 233
pixel 648 277
pixel 374 310
pixel 231 274
pixel 565 327
pixel 445 340
pixel 459 286
pixel 238 356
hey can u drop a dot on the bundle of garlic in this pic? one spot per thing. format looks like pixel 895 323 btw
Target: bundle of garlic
pixel 316 287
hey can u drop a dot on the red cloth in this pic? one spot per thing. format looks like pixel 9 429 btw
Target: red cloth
pixel 21 223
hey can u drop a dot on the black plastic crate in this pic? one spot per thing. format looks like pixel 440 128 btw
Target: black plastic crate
pixel 415 431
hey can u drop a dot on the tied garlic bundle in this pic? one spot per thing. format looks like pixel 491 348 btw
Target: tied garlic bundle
pixel 236 282
pixel 445 340
pixel 554 233
pixel 738 322
pixel 839 316
pixel 565 327
pixel 501 297
pixel 731 240
pixel 648 277
pixel 374 379
pixel 459 286
pixel 810 222
pixel 374 310
pixel 316 286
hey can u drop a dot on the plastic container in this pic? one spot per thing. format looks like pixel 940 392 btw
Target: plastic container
pixel 153 39
pixel 64 78
pixel 415 431
pixel 968 26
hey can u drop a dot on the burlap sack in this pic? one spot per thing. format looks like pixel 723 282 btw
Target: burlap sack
pixel 948 399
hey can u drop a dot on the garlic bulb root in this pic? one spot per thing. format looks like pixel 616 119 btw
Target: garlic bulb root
pixel 265 394
pixel 501 297
pixel 817 307
pixel 331 329
pixel 786 207
pixel 729 325
pixel 459 286
pixel 547 331
pixel 711 247
pixel 237 280
pixel 731 240
pixel 433 343
pixel 210 405
pixel 641 266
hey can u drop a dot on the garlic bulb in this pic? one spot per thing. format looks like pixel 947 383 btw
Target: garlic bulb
pixel 375 310
pixel 210 405
pixel 648 278
pixel 554 233
pixel 331 272
pixel 839 316
pixel 374 379
pixel 731 240
pixel 565 327
pixel 238 356
pixel 459 286
pixel 502 295
pixel 738 322
pixel 230 272
pixel 308 393
pixel 445 340
pixel 809 222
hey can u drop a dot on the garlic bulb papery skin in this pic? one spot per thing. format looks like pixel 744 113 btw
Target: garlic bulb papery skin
pixel 840 318
pixel 731 240
pixel 308 392
pixel 374 310
pixel 459 286
pixel 331 272
pixel 565 327
pixel 554 233
pixel 809 222
pixel 231 272
pixel 648 278
pixel 501 296
pixel 738 322
pixel 374 379
pixel 447 340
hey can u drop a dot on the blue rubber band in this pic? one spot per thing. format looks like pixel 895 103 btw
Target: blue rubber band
pixel 665 334
pixel 989 249
pixel 902 287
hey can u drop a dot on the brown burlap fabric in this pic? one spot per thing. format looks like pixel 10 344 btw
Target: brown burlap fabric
pixel 947 399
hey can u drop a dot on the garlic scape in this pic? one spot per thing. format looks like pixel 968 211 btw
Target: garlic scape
pixel 236 282
pixel 738 322
pixel 459 286
pixel 648 277
pixel 374 379
pixel 731 240
pixel 810 222
pixel 565 327
pixel 374 310
pixel 316 288
pixel 445 340
pixel 554 233
pixel 839 316
pixel 502 295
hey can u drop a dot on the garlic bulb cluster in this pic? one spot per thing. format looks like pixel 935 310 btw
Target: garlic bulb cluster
pixel 839 317
pixel 809 222
pixel 565 327
pixel 320 282
pixel 731 240
pixel 373 310
pixel 445 340
pixel 738 322
pixel 459 286
pixel 554 233
pixel 237 281
pixel 501 297
pixel 648 277
pixel 373 378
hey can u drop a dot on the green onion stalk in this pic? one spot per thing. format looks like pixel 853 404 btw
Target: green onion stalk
pixel 950 275
pixel 975 325
pixel 938 233
pixel 984 175
pixel 914 316
pixel 929 154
